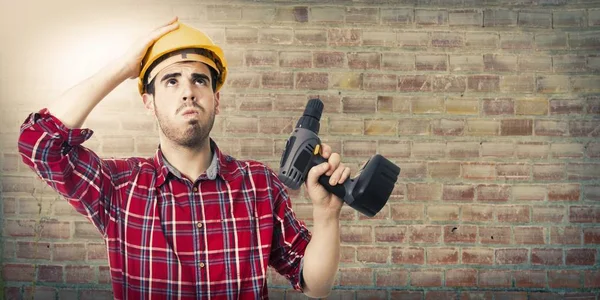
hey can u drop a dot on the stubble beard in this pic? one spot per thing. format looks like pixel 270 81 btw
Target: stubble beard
pixel 192 135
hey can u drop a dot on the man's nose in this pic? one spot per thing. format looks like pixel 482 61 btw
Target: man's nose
pixel 188 94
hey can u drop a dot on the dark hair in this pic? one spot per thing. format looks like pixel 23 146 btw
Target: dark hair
pixel 150 87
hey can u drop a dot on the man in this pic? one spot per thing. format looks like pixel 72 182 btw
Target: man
pixel 191 222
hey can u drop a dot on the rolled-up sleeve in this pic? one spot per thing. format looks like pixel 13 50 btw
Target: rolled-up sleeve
pixel 290 238
pixel 54 152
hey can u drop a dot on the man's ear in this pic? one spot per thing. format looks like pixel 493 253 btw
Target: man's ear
pixel 217 101
pixel 149 102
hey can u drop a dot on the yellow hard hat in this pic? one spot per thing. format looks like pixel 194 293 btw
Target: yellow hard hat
pixel 179 45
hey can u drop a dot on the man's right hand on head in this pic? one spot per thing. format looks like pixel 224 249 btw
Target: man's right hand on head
pixel 133 57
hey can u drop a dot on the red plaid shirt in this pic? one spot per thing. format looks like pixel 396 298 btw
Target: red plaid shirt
pixel 166 236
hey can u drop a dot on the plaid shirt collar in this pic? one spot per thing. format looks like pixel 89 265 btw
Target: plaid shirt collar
pixel 221 165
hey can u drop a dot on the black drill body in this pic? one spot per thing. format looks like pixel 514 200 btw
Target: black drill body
pixel 367 192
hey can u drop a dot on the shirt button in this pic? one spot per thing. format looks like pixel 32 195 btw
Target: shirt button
pixel 199 225
pixel 201 265
pixel 195 189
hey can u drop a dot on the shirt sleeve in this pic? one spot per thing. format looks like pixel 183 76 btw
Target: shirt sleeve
pixel 55 154
pixel 290 237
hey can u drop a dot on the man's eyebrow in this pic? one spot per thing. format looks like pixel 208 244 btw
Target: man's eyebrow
pixel 200 75
pixel 170 75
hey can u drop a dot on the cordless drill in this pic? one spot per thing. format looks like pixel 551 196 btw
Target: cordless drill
pixel 367 192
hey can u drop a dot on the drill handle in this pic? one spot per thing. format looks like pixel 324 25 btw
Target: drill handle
pixel 338 189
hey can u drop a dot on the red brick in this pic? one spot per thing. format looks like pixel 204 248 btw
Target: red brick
pixel 413 39
pixel 499 63
pixel 462 149
pixel 510 295
pixel 356 234
pixel 290 59
pixel 85 230
pixel 477 213
pixel 530 278
pixel 529 235
pixel 477 256
pixel 431 17
pixel 393 104
pixel 276 125
pixel 254 102
pixel 461 277
pixel 33 250
pixel 460 234
pixel 327 14
pixel 275 36
pixel 447 39
pixel 241 35
pixel 356 276
pixel 424 191
pixel 407 212
pixel 535 19
pixel 494 278
pixel 414 83
pixel 564 279
pixel 96 294
pixel 359 148
pixel 584 40
pixel 362 294
pixel 466 17
pixel 311 81
pixel 476 295
pixel 391 149
pixel 18 272
pixel 241 125
pixel 491 149
pixel 583 171
pixel 310 37
pixel 431 105
pixel 391 277
pixel 544 214
pixel 443 212
pixel 447 127
pixel 69 252
pixel 551 128
pixel 397 62
pixel 494 235
pixel 378 255
pixel 364 60
pixel 499 106
pixel 516 171
pixel 330 59
pixel 584 128
pixel 567 150
pixel 431 63
pixel 442 256
pixel 358 104
pixel 549 172
pixel 479 171
pixel 592 150
pixel 513 214
pixel 551 41
pixel 574 18
pixel 545 296
pixel 516 127
pixel 380 82
pixel 424 233
pixel 408 255
pixel 434 295
pixel 592 279
pixel 39 292
pixel 391 234
pixel 50 273
pixel 104 275
pixel 563 192
pixel 493 193
pixel 512 256
pixel 278 80
pixel 397 16
pixel 261 58
pixel 458 192
pixel 346 126
pixel 500 17
pixel 580 257
pixel 532 150
pixel 483 83
pixel 20 228
pixel 482 40
pixel 568 235
pixel 96 251
pixel 413 170
pixel 426 278
pixel 544 256
pixel 584 214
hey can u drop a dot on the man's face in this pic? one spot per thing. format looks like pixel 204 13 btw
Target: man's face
pixel 184 103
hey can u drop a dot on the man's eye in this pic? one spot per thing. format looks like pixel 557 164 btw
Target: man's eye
pixel 201 81
pixel 171 82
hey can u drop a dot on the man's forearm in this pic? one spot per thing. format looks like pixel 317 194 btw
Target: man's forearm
pixel 73 107
pixel 322 257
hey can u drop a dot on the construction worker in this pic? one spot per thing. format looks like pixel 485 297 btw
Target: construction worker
pixel 191 222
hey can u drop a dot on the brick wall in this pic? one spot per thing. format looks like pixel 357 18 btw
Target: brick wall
pixel 489 107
